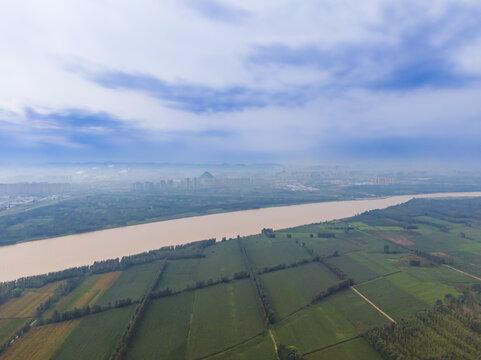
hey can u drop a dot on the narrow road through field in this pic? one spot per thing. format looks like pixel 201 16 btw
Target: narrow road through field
pixel 462 272
pixel 373 305
pixel 273 340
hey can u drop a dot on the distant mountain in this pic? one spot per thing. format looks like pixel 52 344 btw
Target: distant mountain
pixel 206 175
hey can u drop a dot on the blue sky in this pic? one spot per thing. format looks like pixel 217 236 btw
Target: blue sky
pixel 242 81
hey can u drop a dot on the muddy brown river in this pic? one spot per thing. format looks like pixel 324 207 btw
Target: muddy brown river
pixel 42 256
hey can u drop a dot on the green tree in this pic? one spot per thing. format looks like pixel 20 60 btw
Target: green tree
pixel 17 292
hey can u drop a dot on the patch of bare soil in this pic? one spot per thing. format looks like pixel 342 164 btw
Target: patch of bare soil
pixel 400 240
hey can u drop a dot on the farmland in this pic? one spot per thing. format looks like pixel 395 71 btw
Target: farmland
pixel 164 332
pixel 180 274
pixel 95 336
pixel 206 321
pixel 341 317
pixel 259 348
pixel 24 307
pixel 357 349
pixel 301 282
pixel 40 343
pixel 8 327
pixel 131 283
pixel 321 291
pixel 267 252
pixel 89 292
pixel 222 316
pixel 223 260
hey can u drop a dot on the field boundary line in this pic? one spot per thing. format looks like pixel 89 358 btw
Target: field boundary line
pixel 462 272
pixel 191 318
pixel 332 345
pixel 373 305
pixel 308 305
pixel 293 313
pixel 232 347
pixel 273 340
pixel 379 277
pixel 129 332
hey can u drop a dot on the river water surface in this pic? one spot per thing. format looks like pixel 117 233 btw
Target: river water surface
pixel 42 256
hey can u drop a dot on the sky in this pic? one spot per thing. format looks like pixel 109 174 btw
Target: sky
pixel 312 81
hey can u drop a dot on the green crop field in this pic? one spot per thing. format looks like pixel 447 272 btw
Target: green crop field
pixel 470 268
pixel 362 226
pixel 356 349
pixel 403 261
pixel 338 318
pixel 89 292
pixel 95 336
pixel 223 260
pixel 40 342
pixel 180 274
pixel 302 283
pixel 132 283
pixel 25 305
pixel 353 268
pixel 426 291
pixel 223 316
pixel 9 326
pixel 259 348
pixel 165 329
pixel 264 252
pixel 391 299
pixel 201 322
pixel 401 294
pixel 438 273
pixel 330 245
pixel 375 262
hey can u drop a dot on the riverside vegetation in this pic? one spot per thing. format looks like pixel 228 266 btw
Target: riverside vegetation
pixel 399 283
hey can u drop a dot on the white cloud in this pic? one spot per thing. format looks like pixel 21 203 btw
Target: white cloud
pixel 41 41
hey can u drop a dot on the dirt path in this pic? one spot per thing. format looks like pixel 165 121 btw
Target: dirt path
pixel 273 340
pixel 373 305
pixel 462 272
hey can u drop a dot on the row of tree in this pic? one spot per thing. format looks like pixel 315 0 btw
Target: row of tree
pixel 326 235
pixel 436 259
pixel 323 260
pixel 268 232
pixel 60 291
pixel 129 333
pixel 260 291
pixel 333 268
pixel 332 290
pixel 284 266
pixel 199 285
pixel 26 328
pixel 288 353
pixel 86 310
pixel 451 330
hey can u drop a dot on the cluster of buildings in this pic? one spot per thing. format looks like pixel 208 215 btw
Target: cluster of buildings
pixel 205 180
pixel 383 181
